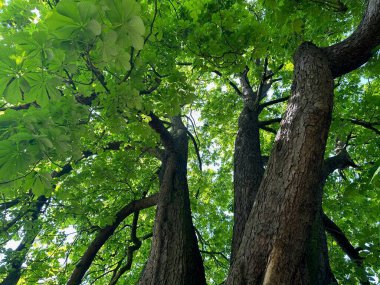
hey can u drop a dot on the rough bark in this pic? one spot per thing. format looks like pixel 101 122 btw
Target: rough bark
pixel 248 165
pixel 273 246
pixel 19 254
pixel 317 270
pixel 104 234
pixel 174 256
pixel 274 239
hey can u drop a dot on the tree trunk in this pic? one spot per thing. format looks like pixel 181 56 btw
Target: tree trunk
pixel 317 270
pixel 278 227
pixel 174 256
pixel 248 170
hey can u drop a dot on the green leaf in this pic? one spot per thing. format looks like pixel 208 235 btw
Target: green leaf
pixel 95 27
pixel 69 9
pixel 87 11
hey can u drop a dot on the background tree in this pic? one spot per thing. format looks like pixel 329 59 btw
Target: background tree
pixel 100 99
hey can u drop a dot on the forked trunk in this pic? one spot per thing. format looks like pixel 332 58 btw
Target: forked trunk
pixel 274 241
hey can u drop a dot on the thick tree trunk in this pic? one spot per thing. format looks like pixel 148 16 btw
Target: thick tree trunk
pixel 174 256
pixel 278 227
pixel 248 172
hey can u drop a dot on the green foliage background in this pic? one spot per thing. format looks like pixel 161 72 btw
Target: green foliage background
pixel 129 58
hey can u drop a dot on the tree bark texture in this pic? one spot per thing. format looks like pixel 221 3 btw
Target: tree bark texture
pixel 274 240
pixel 248 168
pixel 318 270
pixel 174 256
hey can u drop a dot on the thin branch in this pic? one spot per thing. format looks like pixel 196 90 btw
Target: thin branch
pixel 366 125
pixel 215 252
pixel 95 71
pixel 104 234
pixel 21 107
pixel 9 204
pixel 151 89
pixel 232 84
pixel 22 176
pixel 270 103
pixel 132 64
pixel 196 149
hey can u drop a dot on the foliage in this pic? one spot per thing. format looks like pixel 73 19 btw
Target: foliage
pixel 78 80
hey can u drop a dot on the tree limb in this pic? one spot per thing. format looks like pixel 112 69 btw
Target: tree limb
pixel 269 122
pixel 358 48
pixel 131 249
pixel 232 84
pixel 338 162
pixel 9 204
pixel 366 125
pixel 341 239
pixel 21 107
pixel 104 234
pixel 268 129
pixel 270 103
pixel 166 138
pixel 196 149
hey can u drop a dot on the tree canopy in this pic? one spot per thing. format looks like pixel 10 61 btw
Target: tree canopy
pixel 89 89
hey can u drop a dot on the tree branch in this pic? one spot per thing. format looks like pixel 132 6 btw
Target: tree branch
pixel 9 204
pixel 95 71
pixel 366 125
pixel 104 234
pixel 248 94
pixel 196 149
pixel 268 129
pixel 358 48
pixel 338 162
pixel 166 138
pixel 131 249
pixel 269 122
pixel 232 84
pixel 270 103
pixel 341 239
pixel 21 107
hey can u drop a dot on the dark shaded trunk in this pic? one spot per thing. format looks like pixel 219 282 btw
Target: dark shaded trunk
pixel 18 256
pixel 174 256
pixel 274 240
pixel 317 270
pixel 248 172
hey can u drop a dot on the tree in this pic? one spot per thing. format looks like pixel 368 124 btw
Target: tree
pixel 97 128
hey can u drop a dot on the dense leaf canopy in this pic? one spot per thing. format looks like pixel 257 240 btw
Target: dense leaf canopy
pixel 78 82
